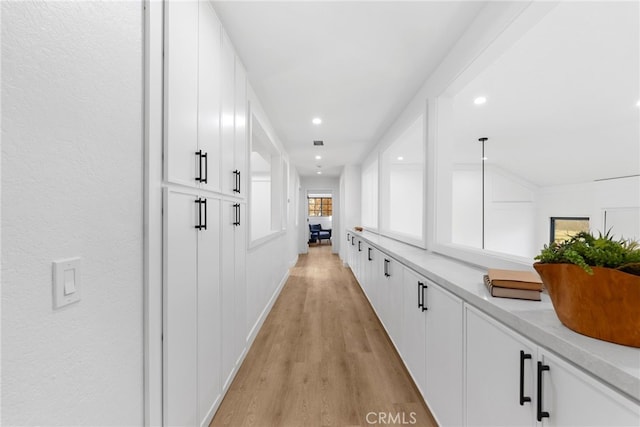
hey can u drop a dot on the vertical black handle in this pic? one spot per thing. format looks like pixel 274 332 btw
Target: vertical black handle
pixel 236 210
pixel 206 169
pixel 353 241
pixel 199 154
pixel 386 268
pixel 239 186
pixel 420 294
pixel 204 202
pixel 523 398
pixel 541 414
pixel 199 226
pixel 236 187
pixel 424 306
pixel 359 245
pixel 369 255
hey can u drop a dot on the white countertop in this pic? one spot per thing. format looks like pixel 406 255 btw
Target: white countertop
pixel 617 365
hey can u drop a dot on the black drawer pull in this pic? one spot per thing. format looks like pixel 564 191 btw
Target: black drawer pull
pixel 386 268
pixel 353 241
pixel 541 414
pixel 523 398
pixel 236 188
pixel 236 208
pixel 202 178
pixel 369 255
pixel 420 285
pixel 359 245
pixel 200 225
pixel 424 306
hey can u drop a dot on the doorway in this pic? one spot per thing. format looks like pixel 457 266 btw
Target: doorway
pixel 319 211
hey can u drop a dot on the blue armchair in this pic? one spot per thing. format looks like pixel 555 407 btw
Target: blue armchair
pixel 316 232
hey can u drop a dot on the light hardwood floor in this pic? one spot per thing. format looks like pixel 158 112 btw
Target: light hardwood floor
pixel 321 358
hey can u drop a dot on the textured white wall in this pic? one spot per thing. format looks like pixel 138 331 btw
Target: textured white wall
pixel 72 186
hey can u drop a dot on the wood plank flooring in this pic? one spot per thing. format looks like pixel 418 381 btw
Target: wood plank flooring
pixel 322 358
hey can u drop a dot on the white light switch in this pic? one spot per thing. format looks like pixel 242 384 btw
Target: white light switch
pixel 66 282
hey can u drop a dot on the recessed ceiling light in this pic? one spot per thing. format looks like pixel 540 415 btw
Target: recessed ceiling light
pixel 316 121
pixel 480 100
pixel 638 103
pixel 485 158
pixel 318 157
pixel 319 172
pixel 400 158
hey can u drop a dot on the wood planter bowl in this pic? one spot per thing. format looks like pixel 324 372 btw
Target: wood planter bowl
pixel 605 305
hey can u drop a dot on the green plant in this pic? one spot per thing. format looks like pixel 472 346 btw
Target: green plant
pixel 586 251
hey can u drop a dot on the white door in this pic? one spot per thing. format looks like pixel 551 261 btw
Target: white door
pixel 241 116
pixel 181 91
pixel 227 117
pixel 413 329
pixel 500 380
pixel 572 398
pixel 240 247
pixel 209 320
pixel 228 292
pixel 208 168
pixel 180 308
pixel 444 368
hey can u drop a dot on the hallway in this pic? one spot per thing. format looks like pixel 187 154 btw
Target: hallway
pixel 322 359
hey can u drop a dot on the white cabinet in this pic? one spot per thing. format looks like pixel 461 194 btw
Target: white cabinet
pixel 181 91
pixel 191 339
pixel 390 297
pixel 500 377
pixel 432 345
pixel 233 166
pixel 233 287
pixel 192 94
pixel 513 382
pixel 570 397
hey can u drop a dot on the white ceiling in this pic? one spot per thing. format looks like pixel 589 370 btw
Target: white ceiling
pixel 561 103
pixel 354 64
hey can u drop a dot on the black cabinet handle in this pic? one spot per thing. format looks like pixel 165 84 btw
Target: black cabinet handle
pixel 353 241
pixel 236 208
pixel 236 188
pixel 541 414
pixel 386 268
pixel 348 237
pixel 424 307
pixel 359 245
pixel 200 225
pixel 523 398
pixel 420 294
pixel 200 177
pixel 369 255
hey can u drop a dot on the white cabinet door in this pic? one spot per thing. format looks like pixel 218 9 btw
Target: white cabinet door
pixel 228 293
pixel 227 117
pixel 391 299
pixel 181 91
pixel 414 329
pixel 209 97
pixel 572 398
pixel 209 328
pixel 240 286
pixel 241 116
pixel 497 375
pixel 180 309
pixel 444 366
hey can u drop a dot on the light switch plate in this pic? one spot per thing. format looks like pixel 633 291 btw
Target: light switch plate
pixel 66 282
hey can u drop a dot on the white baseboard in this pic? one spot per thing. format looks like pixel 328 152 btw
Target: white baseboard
pixel 263 316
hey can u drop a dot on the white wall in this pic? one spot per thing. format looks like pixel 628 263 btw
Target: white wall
pixel 72 168
pixel 319 184
pixel 268 263
pixel 350 202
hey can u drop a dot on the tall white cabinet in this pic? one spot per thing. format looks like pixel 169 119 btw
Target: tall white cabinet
pixel 204 213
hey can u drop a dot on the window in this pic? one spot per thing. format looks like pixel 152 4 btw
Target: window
pixel 565 228
pixel 402 184
pixel 320 206
pixel 370 195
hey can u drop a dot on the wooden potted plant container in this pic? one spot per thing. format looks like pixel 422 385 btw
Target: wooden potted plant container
pixel 594 285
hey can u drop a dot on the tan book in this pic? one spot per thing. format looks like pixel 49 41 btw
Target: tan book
pixel 515 279
pixel 497 291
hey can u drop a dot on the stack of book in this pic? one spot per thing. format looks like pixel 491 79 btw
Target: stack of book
pixel 513 284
